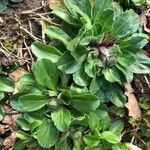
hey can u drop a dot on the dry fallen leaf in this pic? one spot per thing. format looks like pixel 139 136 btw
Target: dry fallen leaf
pixel 10 141
pixel 132 147
pixel 132 104
pixel 15 76
pixel 54 4
pixel 144 21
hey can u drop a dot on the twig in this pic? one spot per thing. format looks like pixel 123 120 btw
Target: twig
pixel 34 10
pixel 47 20
pixel 30 26
pixel 32 59
pixel 148 83
pixel 29 33
pixel 11 54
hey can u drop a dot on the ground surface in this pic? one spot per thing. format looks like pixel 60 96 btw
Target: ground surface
pixel 19 27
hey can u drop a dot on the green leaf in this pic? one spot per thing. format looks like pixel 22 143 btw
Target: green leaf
pixel 47 134
pixel 85 102
pixel 68 64
pixel 64 15
pixel 115 51
pixel 36 116
pixel 116 127
pixel 28 84
pixel 69 4
pixel 91 140
pixel 105 18
pixel 16 1
pixel 99 6
pixel 126 71
pixel 41 50
pixel 3 5
pixel 120 147
pixel 110 137
pixel 1 95
pixel 125 24
pixel 23 124
pixel 84 19
pixel 142 64
pixel 134 43
pixel 22 135
pixel 80 53
pixel 95 86
pixel 6 85
pixel 96 31
pixel 88 9
pixel 112 75
pixel 74 42
pixel 2 113
pixel 14 103
pixel 116 96
pixel 32 102
pixel 90 67
pixel 45 73
pixel 75 89
pixel 66 97
pixel 61 119
pixel 57 33
pixel 126 59
pixel 19 145
pixel 99 120
pixel 81 78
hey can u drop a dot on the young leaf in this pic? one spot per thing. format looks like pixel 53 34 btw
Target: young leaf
pixel 41 50
pixel 85 102
pixel 47 134
pixel 45 73
pixel 61 119
pixel 6 85
pixel 57 33
pixel 32 102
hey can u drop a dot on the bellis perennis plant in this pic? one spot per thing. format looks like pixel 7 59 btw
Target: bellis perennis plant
pixel 90 57
pixel 98 45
